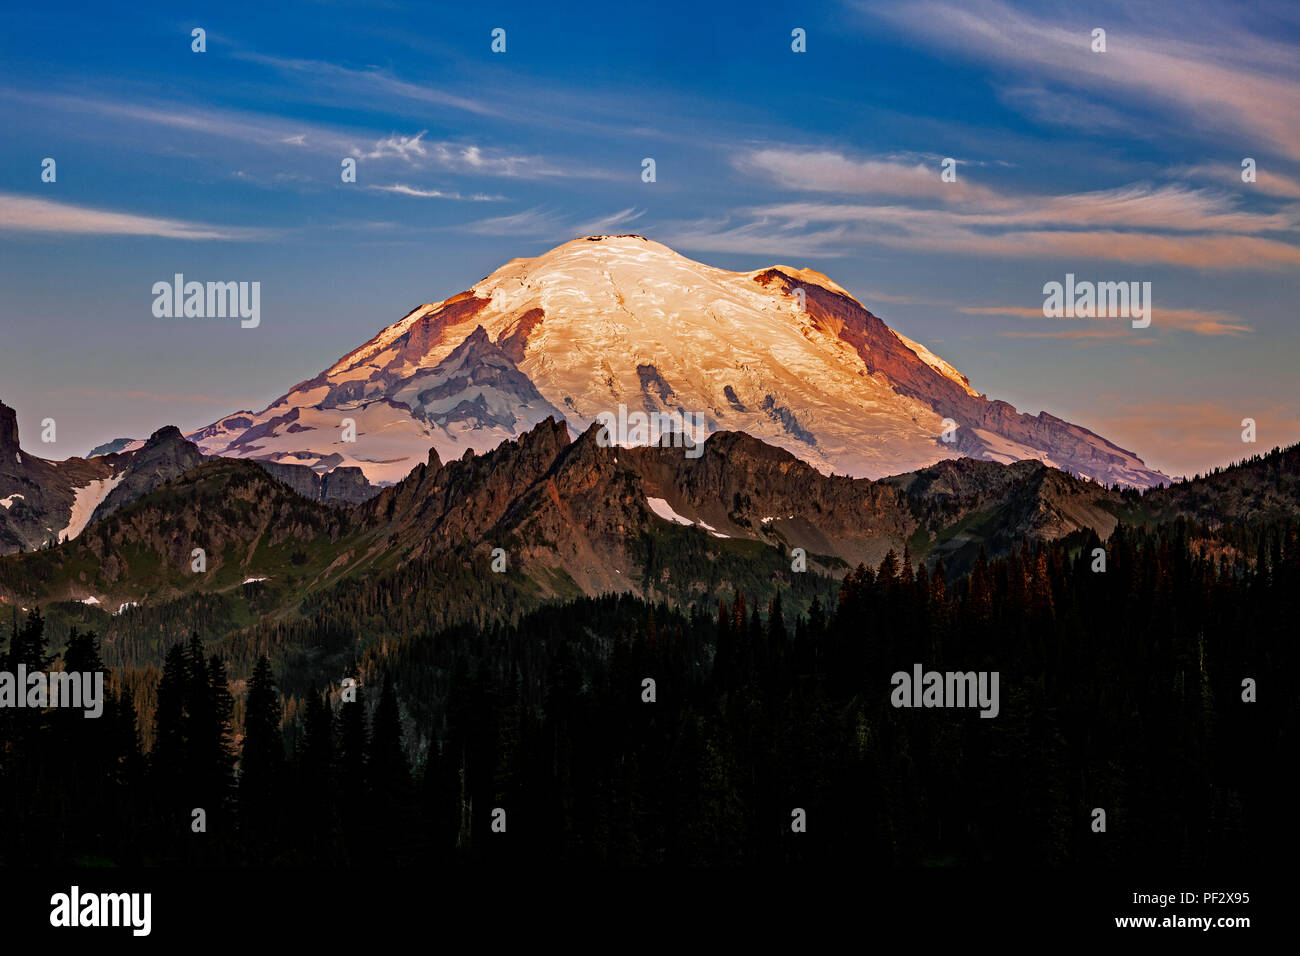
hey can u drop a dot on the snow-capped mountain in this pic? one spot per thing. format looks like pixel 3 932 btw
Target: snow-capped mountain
pixel 783 354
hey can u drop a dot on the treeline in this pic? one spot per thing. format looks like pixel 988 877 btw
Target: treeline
pixel 1150 690
pixel 321 636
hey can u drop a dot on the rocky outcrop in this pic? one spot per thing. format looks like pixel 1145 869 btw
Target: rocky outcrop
pixel 8 432
pixel 166 455
pixel 341 487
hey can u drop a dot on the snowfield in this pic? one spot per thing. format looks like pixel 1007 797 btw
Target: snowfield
pixel 88 499
pixel 664 510
pixel 605 321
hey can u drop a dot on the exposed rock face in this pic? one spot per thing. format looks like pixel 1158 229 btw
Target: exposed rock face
pixel 164 456
pixel 342 487
pixel 8 431
pixel 462 501
pixel 345 486
pixel 581 506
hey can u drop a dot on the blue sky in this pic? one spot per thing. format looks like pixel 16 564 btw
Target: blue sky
pixel 224 165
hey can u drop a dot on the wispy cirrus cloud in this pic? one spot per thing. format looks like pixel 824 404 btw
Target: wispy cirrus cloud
pixel 408 148
pixel 823 170
pixel 401 189
pixel 542 222
pixel 1174 208
pixel 500 95
pixel 456 157
pixel 1192 251
pixel 759 237
pixel 620 218
pixel 1266 180
pixel 278 134
pixel 531 222
pixel 831 230
pixel 1226 78
pixel 1172 223
pixel 25 214
pixel 1065 109
pixel 374 81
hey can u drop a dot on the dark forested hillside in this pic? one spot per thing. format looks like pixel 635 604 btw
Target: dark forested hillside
pixel 1150 690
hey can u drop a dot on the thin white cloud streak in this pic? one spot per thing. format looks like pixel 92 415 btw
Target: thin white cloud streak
pixel 757 238
pixel 408 148
pixel 544 223
pixel 830 171
pixel 25 214
pixel 401 189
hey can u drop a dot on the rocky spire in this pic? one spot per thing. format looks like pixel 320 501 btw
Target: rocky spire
pixel 8 429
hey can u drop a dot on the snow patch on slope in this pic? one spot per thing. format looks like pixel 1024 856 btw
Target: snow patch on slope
pixel 88 499
pixel 663 509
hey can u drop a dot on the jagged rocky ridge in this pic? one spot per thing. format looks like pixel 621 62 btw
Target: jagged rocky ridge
pixel 578 516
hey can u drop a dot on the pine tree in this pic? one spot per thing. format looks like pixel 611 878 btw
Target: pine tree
pixel 261 760
pixel 388 776
pixel 221 753
pixel 351 757
pixel 167 759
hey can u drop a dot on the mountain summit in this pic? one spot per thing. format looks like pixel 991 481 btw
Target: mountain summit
pixel 783 354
